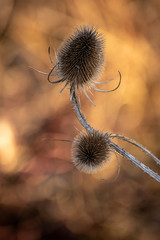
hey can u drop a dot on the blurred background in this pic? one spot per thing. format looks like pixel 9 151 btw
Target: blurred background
pixel 42 196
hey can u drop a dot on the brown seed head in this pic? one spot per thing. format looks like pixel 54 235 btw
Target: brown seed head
pixel 81 56
pixel 90 151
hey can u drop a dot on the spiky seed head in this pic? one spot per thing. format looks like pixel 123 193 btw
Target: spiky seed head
pixel 81 56
pixel 90 151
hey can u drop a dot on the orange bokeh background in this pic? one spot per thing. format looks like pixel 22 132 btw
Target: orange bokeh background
pixel 42 196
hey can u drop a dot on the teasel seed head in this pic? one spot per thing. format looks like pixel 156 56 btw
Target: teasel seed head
pixel 81 56
pixel 79 60
pixel 90 151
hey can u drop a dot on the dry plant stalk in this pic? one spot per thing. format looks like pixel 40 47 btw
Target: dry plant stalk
pixel 79 62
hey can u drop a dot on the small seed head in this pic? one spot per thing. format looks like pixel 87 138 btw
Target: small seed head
pixel 81 56
pixel 91 151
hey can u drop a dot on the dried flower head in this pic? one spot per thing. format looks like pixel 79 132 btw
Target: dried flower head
pixel 90 151
pixel 81 56
pixel 79 61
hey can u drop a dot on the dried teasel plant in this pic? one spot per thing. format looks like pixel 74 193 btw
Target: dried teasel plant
pixel 89 151
pixel 79 61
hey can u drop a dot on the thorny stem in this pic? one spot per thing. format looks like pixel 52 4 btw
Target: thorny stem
pixel 114 146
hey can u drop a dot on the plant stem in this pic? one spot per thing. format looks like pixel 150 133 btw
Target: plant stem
pixel 135 161
pixel 114 146
pixel 137 145
pixel 80 116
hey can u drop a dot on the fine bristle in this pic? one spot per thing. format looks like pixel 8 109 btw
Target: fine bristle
pixel 81 56
pixel 90 151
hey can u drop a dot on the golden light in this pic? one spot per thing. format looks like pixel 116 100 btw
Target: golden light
pixel 7 147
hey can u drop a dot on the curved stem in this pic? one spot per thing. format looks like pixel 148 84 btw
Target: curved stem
pixel 112 145
pixel 137 145
pixel 131 158
pixel 80 116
